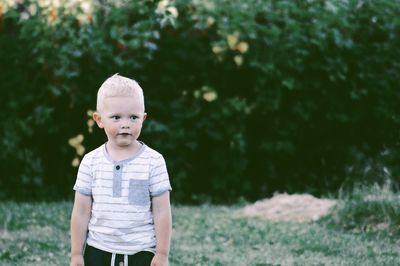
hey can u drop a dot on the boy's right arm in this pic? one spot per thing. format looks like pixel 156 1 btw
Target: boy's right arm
pixel 79 224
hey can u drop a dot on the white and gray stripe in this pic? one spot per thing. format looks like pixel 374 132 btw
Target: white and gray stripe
pixel 121 220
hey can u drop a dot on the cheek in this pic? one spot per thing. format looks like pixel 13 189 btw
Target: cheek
pixel 110 128
pixel 139 126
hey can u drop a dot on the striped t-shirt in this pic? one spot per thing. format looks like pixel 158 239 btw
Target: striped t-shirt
pixel 121 218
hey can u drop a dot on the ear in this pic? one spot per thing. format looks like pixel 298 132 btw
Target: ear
pixel 144 116
pixel 97 118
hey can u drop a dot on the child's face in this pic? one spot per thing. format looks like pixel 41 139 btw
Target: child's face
pixel 122 119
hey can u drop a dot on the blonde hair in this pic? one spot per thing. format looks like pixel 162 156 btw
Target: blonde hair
pixel 116 86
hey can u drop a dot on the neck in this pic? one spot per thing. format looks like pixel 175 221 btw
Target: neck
pixel 118 153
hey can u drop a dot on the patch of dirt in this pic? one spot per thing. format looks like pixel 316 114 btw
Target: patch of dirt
pixel 294 208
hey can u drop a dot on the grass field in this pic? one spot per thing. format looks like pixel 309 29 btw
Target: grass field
pixel 37 234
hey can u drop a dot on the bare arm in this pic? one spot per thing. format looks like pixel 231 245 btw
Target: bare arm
pixel 79 224
pixel 163 226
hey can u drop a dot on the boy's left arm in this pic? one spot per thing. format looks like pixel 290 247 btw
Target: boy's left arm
pixel 163 226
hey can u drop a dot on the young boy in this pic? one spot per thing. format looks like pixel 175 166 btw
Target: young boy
pixel 122 209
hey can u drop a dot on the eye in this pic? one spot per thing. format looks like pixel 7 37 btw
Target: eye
pixel 134 117
pixel 115 117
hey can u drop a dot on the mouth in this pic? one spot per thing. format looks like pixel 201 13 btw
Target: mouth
pixel 124 134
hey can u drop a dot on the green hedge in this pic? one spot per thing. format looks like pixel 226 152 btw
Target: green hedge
pixel 244 97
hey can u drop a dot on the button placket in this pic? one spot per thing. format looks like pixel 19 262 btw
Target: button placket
pixel 117 180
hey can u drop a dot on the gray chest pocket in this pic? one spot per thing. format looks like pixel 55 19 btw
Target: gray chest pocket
pixel 139 193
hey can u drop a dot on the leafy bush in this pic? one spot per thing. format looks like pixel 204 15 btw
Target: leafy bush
pixel 244 97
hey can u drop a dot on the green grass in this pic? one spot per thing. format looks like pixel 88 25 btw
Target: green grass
pixel 373 208
pixel 37 234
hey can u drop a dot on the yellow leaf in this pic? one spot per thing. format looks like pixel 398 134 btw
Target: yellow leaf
pixel 72 142
pixel 173 11
pixel 238 60
pixel 3 9
pixel 242 47
pixel 210 21
pixel 90 113
pixel 218 49
pixel 79 138
pixel 90 123
pixel 32 9
pixel 233 39
pixel 162 4
pixel 80 150
pixel 75 162
pixel 210 96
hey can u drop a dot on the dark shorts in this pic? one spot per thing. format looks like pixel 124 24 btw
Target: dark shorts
pixel 97 257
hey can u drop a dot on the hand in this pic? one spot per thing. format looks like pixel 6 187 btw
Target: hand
pixel 77 260
pixel 159 260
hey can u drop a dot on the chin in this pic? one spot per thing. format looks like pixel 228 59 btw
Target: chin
pixel 124 144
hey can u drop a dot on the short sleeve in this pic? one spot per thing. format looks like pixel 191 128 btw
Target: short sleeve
pixel 84 178
pixel 159 179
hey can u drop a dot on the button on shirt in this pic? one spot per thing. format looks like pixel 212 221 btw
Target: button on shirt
pixel 121 219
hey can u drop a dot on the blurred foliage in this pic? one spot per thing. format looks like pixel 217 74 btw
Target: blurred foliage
pixel 244 97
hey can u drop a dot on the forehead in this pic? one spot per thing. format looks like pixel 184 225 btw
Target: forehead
pixel 123 104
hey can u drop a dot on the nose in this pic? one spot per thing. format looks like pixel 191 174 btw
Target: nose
pixel 125 123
